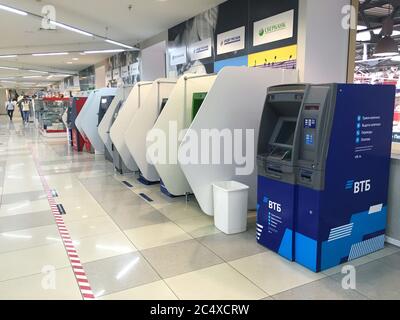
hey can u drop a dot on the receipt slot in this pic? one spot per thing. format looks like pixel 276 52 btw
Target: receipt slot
pixel 323 163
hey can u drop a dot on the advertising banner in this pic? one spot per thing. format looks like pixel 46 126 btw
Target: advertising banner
pixel 178 56
pixel 275 28
pixel 134 69
pixel 201 50
pixel 231 41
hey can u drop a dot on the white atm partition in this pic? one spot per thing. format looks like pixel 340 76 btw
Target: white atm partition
pixel 235 102
pixel 91 119
pixel 85 108
pixel 117 132
pixel 142 123
pixel 105 125
pixel 179 111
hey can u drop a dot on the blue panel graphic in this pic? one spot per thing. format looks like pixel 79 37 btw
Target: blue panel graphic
pixel 233 62
pixel 286 248
pixel 306 251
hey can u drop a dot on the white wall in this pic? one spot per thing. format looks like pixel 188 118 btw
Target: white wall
pixel 3 99
pixel 153 62
pixel 323 43
pixel 100 76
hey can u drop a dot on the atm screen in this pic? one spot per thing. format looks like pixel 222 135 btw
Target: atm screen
pixel 163 103
pixel 286 133
pixel 198 99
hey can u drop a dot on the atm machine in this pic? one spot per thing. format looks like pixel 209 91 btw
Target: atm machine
pixel 323 171
pixel 77 104
pixel 105 103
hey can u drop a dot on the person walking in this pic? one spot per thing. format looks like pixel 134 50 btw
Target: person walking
pixel 10 107
pixel 26 109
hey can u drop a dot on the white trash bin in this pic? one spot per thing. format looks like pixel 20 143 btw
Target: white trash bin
pixel 230 206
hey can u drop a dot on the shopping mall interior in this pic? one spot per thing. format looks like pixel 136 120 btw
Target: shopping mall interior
pixel 199 150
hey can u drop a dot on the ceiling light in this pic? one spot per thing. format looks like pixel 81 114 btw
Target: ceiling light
pixel 386 47
pixel 8 56
pixel 69 62
pixel 50 54
pixel 103 51
pixel 9 9
pixel 64 26
pixel 119 44
pixel 31 77
pixel 9 68
pixel 38 71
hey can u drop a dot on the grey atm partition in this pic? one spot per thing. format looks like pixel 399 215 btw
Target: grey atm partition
pixel 105 103
pixel 119 164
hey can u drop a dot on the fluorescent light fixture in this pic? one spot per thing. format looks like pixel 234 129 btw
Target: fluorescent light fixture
pixel 396 58
pixel 66 27
pixel 8 56
pixel 38 71
pixel 9 9
pixel 31 77
pixel 7 81
pixel 50 54
pixel 8 68
pixel 103 51
pixel 366 35
pixel 118 44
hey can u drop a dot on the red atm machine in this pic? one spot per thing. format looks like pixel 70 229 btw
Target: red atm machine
pixel 77 104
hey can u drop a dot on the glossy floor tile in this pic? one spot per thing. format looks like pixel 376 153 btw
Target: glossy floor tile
pixel 220 282
pixel 153 291
pixel 103 246
pixel 119 273
pixel 180 257
pixel 324 289
pixel 273 273
pixel 233 247
pixel 26 221
pixel 156 235
pixel 60 285
pixel 16 264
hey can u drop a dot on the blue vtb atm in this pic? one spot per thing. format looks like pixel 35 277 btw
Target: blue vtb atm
pixel 323 161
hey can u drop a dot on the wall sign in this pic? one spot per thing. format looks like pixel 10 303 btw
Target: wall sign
pixel 274 28
pixel 201 50
pixel 116 74
pixel 134 69
pixel 231 41
pixel 177 56
pixel 125 72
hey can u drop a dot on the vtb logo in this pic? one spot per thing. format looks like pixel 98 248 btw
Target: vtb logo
pixel 274 206
pixel 359 186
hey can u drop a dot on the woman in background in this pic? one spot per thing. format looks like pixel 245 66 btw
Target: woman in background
pixel 26 109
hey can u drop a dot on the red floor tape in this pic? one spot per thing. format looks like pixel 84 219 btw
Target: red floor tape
pixel 77 267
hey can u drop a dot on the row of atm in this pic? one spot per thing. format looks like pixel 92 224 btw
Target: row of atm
pixel 317 166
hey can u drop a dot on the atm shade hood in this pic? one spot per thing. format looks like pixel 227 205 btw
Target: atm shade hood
pixel 142 122
pixel 179 110
pixel 117 132
pixel 235 101
pixel 105 125
pixel 85 108
pixel 90 120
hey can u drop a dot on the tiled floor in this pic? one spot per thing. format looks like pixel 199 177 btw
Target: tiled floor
pixel 132 248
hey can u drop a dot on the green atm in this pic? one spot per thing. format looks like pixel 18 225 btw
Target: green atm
pixel 198 99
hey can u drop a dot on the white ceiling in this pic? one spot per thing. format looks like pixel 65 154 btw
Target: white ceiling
pixel 108 18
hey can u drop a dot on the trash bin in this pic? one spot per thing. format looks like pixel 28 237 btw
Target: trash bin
pixel 230 206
